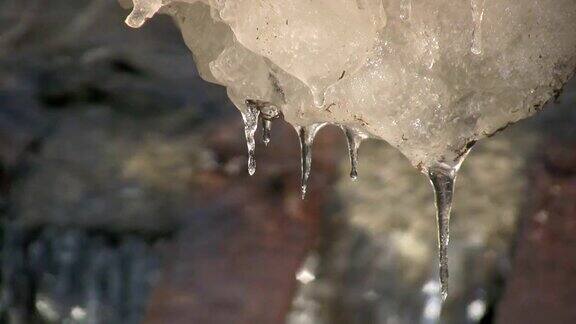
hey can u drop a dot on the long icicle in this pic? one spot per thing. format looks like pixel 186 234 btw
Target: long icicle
pixel 354 139
pixel 306 135
pixel 443 178
pixel 250 117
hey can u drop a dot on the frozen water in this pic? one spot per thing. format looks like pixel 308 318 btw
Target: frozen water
pixel 477 16
pixel 354 138
pixel 456 72
pixel 428 77
pixel 306 134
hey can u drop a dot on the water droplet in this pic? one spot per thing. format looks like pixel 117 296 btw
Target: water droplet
pixel 250 117
pixel 306 135
pixel 266 129
pixel 405 9
pixel 477 16
pixel 354 138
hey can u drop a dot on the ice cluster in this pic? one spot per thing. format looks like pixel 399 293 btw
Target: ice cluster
pixel 429 77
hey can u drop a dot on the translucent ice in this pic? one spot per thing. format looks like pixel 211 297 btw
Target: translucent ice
pixel 428 77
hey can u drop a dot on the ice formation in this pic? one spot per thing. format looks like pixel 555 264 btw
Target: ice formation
pixel 429 77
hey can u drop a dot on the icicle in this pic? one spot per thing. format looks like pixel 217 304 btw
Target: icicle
pixel 318 96
pixel 405 9
pixel 266 129
pixel 477 16
pixel 143 10
pixel 354 138
pixel 443 177
pixel 268 113
pixel 250 117
pixel 306 135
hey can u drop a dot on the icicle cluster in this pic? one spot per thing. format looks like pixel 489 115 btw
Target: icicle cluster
pixel 429 77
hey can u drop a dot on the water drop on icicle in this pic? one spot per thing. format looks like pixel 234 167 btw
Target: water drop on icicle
pixel 405 9
pixel 250 117
pixel 354 139
pixel 477 16
pixel 266 130
pixel 306 136
pixel 443 177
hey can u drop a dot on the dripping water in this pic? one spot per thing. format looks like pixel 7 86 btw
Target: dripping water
pixel 443 177
pixel 306 136
pixel 354 138
pixel 477 16
pixel 250 118
pixel 405 9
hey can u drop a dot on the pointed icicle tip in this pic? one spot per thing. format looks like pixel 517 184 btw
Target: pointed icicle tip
pixel 354 139
pixel 250 118
pixel 306 135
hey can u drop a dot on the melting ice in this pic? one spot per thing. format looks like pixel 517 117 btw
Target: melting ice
pixel 428 77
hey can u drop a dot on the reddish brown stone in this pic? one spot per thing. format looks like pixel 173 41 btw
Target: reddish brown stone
pixel 542 285
pixel 235 260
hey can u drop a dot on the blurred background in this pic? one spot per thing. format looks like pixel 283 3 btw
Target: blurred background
pixel 124 198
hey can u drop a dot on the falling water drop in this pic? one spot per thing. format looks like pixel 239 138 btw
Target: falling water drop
pixel 354 138
pixel 266 129
pixel 306 136
pixel 477 16
pixel 443 177
pixel 405 9
pixel 250 117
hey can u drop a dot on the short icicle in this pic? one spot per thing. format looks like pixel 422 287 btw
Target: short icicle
pixel 306 135
pixel 477 16
pixel 142 11
pixel 250 117
pixel 266 130
pixel 354 139
pixel 405 9
pixel 267 114
pixel 443 177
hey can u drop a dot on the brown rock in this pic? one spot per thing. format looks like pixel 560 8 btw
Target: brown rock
pixel 541 287
pixel 236 259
